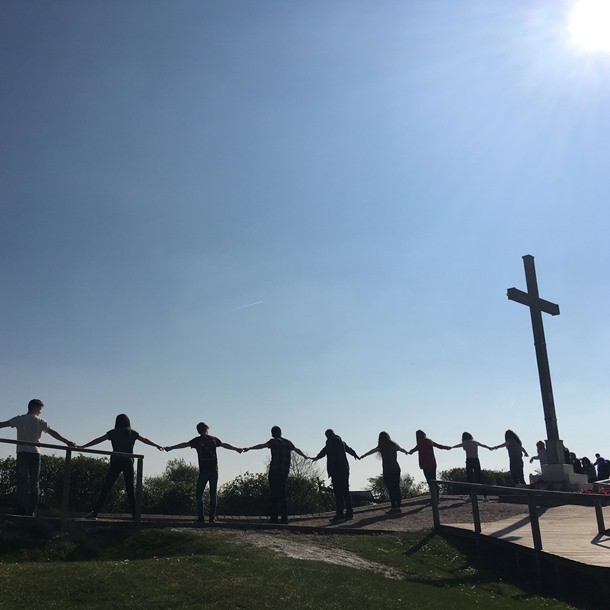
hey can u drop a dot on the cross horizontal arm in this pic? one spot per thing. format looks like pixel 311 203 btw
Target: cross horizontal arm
pixel 514 294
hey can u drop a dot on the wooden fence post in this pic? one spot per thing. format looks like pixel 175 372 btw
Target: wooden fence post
pixel 65 501
pixel 139 476
pixel 434 493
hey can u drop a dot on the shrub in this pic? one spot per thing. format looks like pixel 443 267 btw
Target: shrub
pixel 488 477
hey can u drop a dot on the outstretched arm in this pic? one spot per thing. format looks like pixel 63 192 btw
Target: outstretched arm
pixel 486 446
pixel 498 446
pixel 59 437
pixel 147 441
pixel 297 450
pixel 227 446
pixel 524 452
pixel 259 446
pixel 462 444
pixel 374 450
pixel 95 441
pixel 349 450
pixel 439 446
pixel 399 448
pixel 178 446
pixel 5 424
pixel 320 455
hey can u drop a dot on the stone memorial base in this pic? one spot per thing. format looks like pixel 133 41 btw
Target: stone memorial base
pixel 561 477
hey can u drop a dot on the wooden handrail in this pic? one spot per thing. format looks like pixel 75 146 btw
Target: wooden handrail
pixel 590 499
pixel 68 458
pixel 67 447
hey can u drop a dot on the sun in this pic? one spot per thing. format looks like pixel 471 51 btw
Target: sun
pixel 589 25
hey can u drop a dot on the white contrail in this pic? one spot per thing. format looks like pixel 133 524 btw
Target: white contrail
pixel 243 306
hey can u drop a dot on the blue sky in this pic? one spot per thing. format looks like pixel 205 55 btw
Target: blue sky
pixel 303 214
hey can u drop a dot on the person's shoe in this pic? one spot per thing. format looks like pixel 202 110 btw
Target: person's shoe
pixel 212 519
pixel 284 520
pixel 337 518
pixel 349 517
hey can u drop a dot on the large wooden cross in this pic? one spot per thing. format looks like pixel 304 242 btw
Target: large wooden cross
pixel 537 306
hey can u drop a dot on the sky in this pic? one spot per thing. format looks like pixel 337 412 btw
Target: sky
pixel 304 214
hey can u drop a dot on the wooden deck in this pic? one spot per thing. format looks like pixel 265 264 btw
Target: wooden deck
pixel 568 532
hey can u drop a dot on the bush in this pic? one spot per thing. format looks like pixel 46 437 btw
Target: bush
pixel 488 477
pixel 408 487
pixel 172 492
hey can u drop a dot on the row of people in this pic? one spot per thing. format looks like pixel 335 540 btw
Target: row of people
pixel 122 437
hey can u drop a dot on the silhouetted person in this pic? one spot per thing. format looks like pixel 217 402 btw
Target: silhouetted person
pixel 205 445
pixel 473 464
pixel 425 448
pixel 541 454
pixel 281 450
pixel 515 456
pixel 388 450
pixel 336 451
pixel 123 439
pixel 30 426
pixel 588 469
pixel 599 462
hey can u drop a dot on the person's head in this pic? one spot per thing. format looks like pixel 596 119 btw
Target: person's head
pixel 596 455
pixel 420 435
pixel 202 428
pixel 384 438
pixel 509 435
pixel 35 406
pixel 122 421
pixel 330 433
pixel 540 445
pixel 276 432
pixel 466 436
pixel 585 461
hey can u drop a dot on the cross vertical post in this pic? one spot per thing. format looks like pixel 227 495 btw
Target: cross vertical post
pixel 537 306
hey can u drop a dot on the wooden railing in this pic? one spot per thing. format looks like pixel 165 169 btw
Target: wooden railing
pixel 559 497
pixel 64 512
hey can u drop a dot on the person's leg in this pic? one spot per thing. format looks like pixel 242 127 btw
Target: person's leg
pixel 396 489
pixel 128 475
pixel 470 470
pixel 274 497
pixel 34 486
pixel 113 472
pixel 283 505
pixel 202 481
pixel 349 510
pixel 514 471
pixel 22 471
pixel 213 478
pixel 337 483
pixel 476 468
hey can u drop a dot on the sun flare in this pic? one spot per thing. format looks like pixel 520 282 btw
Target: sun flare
pixel 589 25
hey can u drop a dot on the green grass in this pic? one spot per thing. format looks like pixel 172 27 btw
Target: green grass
pixel 101 568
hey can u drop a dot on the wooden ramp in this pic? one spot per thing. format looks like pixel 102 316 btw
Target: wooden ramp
pixel 568 532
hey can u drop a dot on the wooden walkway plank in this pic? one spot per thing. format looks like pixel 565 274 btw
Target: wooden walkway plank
pixel 569 532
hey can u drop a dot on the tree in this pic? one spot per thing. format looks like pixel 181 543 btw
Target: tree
pixel 408 487
pixel 173 491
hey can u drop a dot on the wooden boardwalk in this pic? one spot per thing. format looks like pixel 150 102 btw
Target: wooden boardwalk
pixel 568 532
